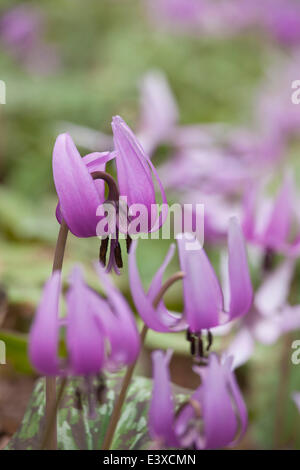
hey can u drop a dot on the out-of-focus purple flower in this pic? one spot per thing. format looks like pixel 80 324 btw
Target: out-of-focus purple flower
pixel 214 417
pixel 21 31
pixel 159 113
pixel 269 225
pixel 134 171
pixel 282 19
pixel 271 317
pixel 90 323
pixel 203 297
pixel 79 195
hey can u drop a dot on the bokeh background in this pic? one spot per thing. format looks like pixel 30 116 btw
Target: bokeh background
pixel 80 64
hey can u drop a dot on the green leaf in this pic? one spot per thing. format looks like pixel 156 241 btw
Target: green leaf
pixel 76 430
pixel 16 351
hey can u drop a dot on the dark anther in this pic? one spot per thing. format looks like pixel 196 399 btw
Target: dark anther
pixel 78 400
pixel 118 255
pixel 128 243
pixel 193 346
pixel 200 347
pixel 268 261
pixel 188 335
pixel 209 339
pixel 103 250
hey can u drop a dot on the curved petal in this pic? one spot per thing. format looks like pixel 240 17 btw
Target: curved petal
pixel 125 348
pixel 203 298
pixel 158 319
pixel 134 171
pixel 220 422
pixel 85 341
pixel 239 403
pixel 278 228
pixel 43 339
pixel 77 193
pixel 161 412
pixel 241 293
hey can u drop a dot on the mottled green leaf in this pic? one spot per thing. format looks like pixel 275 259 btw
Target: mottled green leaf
pixel 76 430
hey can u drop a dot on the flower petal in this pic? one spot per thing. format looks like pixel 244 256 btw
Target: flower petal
pixel 241 293
pixel 203 298
pixel 76 190
pixel 158 319
pixel 85 341
pixel 134 172
pixel 161 412
pixel 126 344
pixel 43 340
pixel 278 228
pixel 220 422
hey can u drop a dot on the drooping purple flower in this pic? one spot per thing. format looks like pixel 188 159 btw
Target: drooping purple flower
pixel 159 113
pixel 203 298
pixel 134 171
pixel 90 323
pixel 79 195
pixel 215 416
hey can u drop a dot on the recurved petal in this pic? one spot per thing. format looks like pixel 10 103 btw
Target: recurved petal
pixel 85 340
pixel 43 339
pixel 161 413
pixel 241 293
pixel 203 298
pixel 158 319
pixel 77 193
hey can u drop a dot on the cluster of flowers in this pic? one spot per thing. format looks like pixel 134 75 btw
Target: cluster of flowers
pixel 101 334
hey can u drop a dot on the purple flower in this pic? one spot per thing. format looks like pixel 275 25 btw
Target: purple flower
pixel 134 175
pixel 271 317
pixel 91 323
pixel 271 227
pixel 203 298
pixel 215 416
pixel 79 195
pixel 21 30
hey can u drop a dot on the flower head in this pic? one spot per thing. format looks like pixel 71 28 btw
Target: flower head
pixel 203 297
pixel 215 416
pixel 91 323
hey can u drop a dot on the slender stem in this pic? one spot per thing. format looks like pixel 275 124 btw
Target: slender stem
pixel 50 425
pixel 128 376
pixel 50 438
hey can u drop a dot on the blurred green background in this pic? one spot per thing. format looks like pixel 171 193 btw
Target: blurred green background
pixel 105 48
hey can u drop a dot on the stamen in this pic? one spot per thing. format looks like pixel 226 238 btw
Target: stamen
pixel 118 255
pixel 200 347
pixel 210 339
pixel 193 346
pixel 128 243
pixel 103 250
